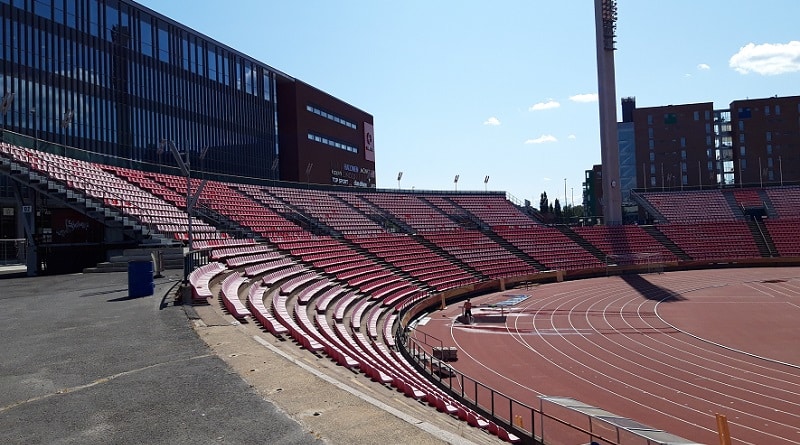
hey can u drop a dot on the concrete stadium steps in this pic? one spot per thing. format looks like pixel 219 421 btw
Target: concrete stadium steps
pixel 352 329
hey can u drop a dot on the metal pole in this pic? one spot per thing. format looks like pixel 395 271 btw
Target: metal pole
pixel 644 176
pixel 35 128
pixel 188 198
pixel 741 173
pixel 699 175
pixel 780 164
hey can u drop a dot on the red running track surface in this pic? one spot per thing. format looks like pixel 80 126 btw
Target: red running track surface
pixel 667 350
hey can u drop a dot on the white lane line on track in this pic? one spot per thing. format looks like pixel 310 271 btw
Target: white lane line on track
pixel 621 313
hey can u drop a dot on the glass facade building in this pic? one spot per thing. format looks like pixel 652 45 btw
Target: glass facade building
pixel 115 78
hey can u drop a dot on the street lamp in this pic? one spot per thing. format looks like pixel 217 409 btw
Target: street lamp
pixel 8 100
pixel 185 171
pixel 308 172
pixel 66 121
pixel 275 165
pixel 32 113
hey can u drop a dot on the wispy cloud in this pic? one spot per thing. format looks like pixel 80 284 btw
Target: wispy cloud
pixel 493 121
pixel 572 136
pixel 703 67
pixel 544 105
pixel 767 59
pixel 543 139
pixel 584 98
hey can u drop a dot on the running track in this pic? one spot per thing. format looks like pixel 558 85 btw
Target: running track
pixel 668 350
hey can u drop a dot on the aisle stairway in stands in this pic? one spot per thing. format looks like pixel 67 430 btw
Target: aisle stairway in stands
pixel 666 242
pixel 486 228
pixel 762 238
pixel 589 247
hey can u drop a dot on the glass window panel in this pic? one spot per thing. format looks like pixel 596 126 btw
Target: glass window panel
pixel 43 9
pixel 94 18
pixel 112 21
pixel 163 44
pixel 146 36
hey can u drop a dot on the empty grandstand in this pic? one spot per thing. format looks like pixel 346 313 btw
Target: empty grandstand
pixel 343 272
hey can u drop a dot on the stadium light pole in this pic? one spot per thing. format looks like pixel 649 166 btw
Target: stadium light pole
pixel 399 177
pixel 606 28
pixel 455 181
pixel 486 183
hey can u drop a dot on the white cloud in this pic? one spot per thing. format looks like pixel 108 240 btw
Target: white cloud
pixel 543 139
pixel 544 105
pixel 703 67
pixel 572 136
pixel 493 121
pixel 767 59
pixel 584 98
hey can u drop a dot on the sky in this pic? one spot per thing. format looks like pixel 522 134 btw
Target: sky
pixel 505 89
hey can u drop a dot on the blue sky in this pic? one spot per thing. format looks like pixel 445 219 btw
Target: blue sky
pixel 508 88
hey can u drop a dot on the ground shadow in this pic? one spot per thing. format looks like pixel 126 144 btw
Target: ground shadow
pixel 651 291
pixel 127 298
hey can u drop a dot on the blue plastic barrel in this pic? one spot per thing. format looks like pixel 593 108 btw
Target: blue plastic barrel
pixel 140 279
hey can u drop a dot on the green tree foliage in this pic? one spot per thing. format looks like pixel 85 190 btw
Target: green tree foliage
pixel 544 204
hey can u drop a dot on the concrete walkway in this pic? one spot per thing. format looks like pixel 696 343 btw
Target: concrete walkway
pixel 82 363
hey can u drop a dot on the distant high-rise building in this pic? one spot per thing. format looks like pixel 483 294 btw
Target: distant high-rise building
pixel 754 142
pixel 766 140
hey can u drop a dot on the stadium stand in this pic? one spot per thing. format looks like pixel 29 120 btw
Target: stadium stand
pixel 334 269
pixel 690 206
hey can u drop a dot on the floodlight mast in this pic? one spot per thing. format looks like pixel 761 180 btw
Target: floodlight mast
pixel 606 26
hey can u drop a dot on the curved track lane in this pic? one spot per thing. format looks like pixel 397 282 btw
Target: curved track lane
pixel 667 350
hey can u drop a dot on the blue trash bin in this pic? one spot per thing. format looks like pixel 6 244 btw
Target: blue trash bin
pixel 140 279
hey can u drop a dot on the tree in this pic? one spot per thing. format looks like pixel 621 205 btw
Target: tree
pixel 557 210
pixel 544 205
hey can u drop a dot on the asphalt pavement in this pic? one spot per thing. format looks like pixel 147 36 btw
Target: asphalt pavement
pixel 83 363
